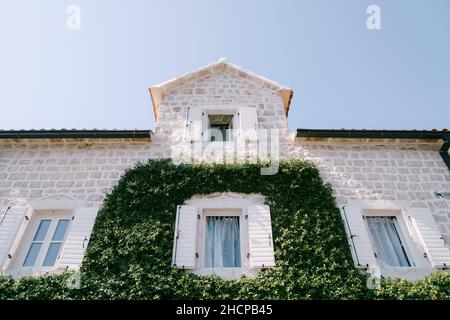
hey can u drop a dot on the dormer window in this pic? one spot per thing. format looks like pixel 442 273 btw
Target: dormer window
pixel 221 123
pixel 220 127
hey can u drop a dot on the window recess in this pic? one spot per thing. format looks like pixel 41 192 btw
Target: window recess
pixel 387 242
pixel 222 242
pixel 45 247
pixel 220 127
pixel 221 123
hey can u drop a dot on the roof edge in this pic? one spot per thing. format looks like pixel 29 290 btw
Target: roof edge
pixel 219 65
pixel 158 91
pixel 372 134
pixel 75 134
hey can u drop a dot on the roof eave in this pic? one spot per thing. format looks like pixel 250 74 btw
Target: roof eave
pixel 76 134
pixel 286 95
pixel 156 94
pixel 372 134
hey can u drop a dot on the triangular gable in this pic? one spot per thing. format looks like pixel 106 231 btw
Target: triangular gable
pixel 157 92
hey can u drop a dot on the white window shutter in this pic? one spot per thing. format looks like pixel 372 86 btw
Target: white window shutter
pixel 77 238
pixel 10 221
pixel 194 124
pixel 437 251
pixel 185 238
pixel 248 118
pixel 359 239
pixel 260 237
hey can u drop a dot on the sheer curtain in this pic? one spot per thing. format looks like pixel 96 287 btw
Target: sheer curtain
pixel 388 245
pixel 222 247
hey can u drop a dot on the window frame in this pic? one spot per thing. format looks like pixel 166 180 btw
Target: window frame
pixel 243 237
pixel 219 110
pixel 226 130
pixel 26 241
pixel 407 234
pixel 353 213
pixel 228 201
pixel 400 234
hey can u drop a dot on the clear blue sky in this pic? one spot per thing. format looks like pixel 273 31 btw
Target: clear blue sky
pixel 343 75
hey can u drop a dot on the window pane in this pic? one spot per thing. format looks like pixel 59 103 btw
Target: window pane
pixel 42 230
pixel 32 254
pixel 220 126
pixel 387 242
pixel 222 247
pixel 52 254
pixel 60 230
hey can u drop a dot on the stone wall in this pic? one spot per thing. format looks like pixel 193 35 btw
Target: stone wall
pixel 86 169
pixel 72 169
pixel 403 170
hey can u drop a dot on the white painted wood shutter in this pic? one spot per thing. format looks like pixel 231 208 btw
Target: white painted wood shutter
pixel 437 251
pixel 185 238
pixel 77 238
pixel 260 237
pixel 248 118
pixel 194 124
pixel 10 221
pixel 359 239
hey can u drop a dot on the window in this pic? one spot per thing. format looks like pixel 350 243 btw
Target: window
pixel 222 242
pixel 221 123
pixel 225 234
pixel 46 243
pixel 387 242
pixel 390 237
pixel 220 126
pixel 40 239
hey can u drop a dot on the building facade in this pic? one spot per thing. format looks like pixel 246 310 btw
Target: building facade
pixel 392 187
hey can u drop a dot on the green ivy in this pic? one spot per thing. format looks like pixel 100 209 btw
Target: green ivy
pixel 129 255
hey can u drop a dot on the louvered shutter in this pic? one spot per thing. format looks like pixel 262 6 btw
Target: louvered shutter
pixel 260 237
pixel 363 253
pixel 437 251
pixel 194 124
pixel 10 221
pixel 185 238
pixel 77 238
pixel 248 119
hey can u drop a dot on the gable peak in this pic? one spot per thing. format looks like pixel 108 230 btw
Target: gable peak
pixel 220 65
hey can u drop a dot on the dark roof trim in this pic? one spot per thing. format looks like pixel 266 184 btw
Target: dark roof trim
pixel 75 134
pixel 373 134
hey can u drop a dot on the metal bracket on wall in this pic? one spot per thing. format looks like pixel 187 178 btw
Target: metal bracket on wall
pixel 442 195
pixel 4 214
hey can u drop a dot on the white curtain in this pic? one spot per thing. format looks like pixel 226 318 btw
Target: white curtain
pixel 222 248
pixel 388 246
